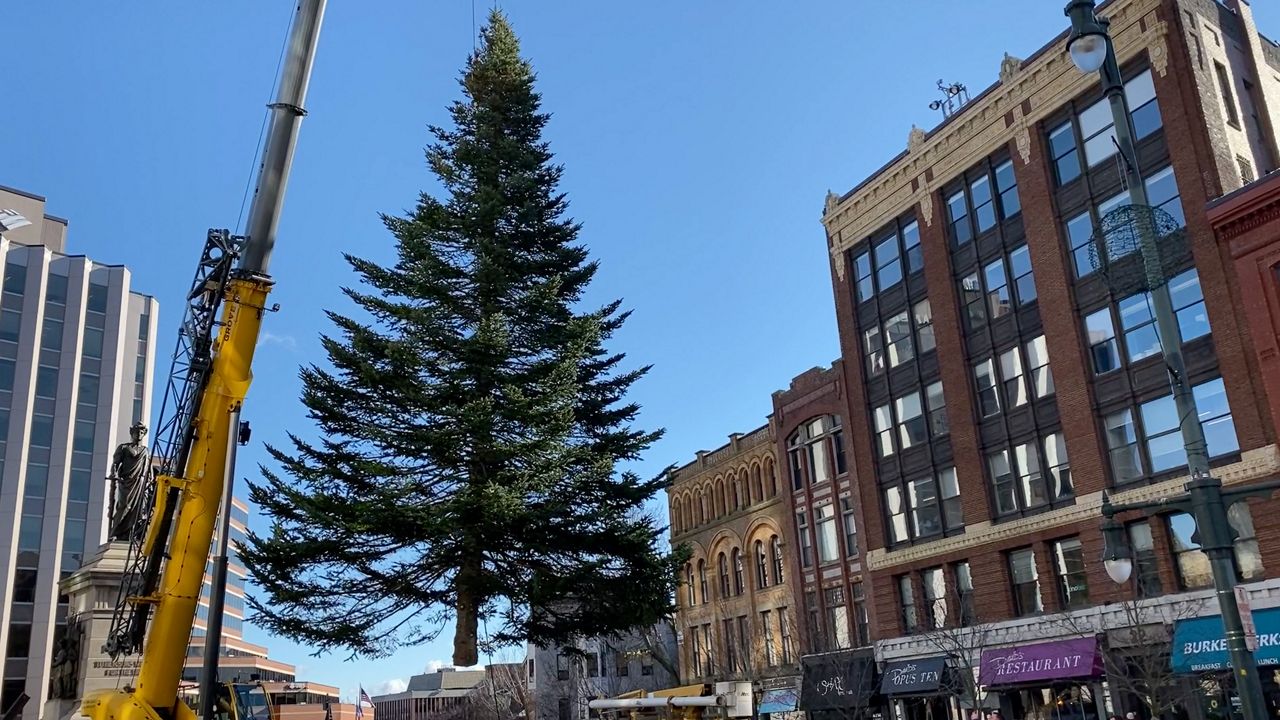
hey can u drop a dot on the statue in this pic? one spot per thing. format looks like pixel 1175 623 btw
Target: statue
pixel 66 665
pixel 130 469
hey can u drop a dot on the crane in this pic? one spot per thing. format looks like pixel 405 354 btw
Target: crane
pixel 199 424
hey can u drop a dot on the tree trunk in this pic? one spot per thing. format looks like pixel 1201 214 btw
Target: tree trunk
pixel 465 650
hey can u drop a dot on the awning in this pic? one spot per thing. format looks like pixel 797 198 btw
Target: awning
pixel 837 681
pixel 1200 644
pixel 913 677
pixel 779 701
pixel 1061 660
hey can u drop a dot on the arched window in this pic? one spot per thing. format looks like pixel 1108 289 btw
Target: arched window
pixel 702 580
pixel 738 584
pixel 770 478
pixel 776 546
pixel 702 512
pixel 724 577
pixel 737 499
pixel 816 451
pixel 762 566
pixel 688 573
pixel 757 481
pixel 718 510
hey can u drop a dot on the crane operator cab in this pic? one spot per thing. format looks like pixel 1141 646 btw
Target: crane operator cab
pixel 242 701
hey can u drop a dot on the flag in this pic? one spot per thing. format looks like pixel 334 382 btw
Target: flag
pixel 364 697
pixel 360 703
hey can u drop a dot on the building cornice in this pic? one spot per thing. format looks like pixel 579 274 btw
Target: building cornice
pixel 1006 112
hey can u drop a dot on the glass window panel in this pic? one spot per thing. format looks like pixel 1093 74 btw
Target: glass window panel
pixel 949 489
pixel 888 265
pixel 1101 336
pixel 1015 386
pixel 1140 90
pixel 912 427
pixel 925 514
pixel 1038 363
pixel 1122 446
pixel 897 332
pixel 988 395
pixel 961 232
pixel 1073 583
pixel 897 510
pixel 866 284
pixel 1215 416
pixel 975 305
pixel 1058 466
pixel 97 298
pixel 923 313
pixel 997 285
pixel 1034 493
pixel 937 403
pixel 1146 120
pixel 911 242
pixel 1002 479
pixel 884 429
pixel 984 210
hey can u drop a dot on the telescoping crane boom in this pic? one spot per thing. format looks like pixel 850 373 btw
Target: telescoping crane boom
pixel 211 378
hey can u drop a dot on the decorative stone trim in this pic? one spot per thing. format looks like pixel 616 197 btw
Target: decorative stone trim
pixel 1058 626
pixel 1253 465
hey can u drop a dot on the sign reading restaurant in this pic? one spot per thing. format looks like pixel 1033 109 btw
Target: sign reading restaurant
pixel 1042 661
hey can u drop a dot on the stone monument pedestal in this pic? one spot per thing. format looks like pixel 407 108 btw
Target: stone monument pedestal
pixel 91 593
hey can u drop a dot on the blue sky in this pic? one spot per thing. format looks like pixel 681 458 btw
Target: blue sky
pixel 699 140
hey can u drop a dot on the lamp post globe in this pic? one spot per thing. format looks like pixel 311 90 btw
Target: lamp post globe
pixel 1087 45
pixel 1118 569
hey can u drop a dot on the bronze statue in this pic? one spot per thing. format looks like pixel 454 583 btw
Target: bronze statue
pixel 66 665
pixel 130 469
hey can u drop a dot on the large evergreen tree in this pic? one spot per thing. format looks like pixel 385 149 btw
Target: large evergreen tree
pixel 473 425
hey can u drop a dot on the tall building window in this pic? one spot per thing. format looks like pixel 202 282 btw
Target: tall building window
pixel 817 445
pixel 702 580
pixel 996 286
pixel 1022 482
pixel 730 646
pixel 837 619
pixel 1151 442
pixel 850 528
pixel 1098 130
pixel 975 303
pixel 738 584
pixel 724 576
pixel 1147 569
pixel 828 537
pixel 1015 385
pixel 935 596
pixel 933 504
pixel 897 335
pixel 912 429
pixel 1162 193
pixel 907 601
pixel 693 598
pixel 1026 582
pixel 762 566
pixel 984 375
pixel 861 620
pixel 963 578
pixel 1191 563
pixel 1038 367
pixel 937 404
pixel 817 641
pixel 775 545
pixel 766 629
pixel 973 209
pixel 806 543
pixel 784 628
pixel 883 419
pixel 744 643
pixel 922 312
pixel 881 263
pixel 1073 583
pixel 1062 147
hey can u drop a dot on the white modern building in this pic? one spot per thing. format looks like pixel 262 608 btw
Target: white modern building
pixel 77 362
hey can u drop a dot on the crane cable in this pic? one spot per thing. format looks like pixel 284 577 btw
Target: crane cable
pixel 262 131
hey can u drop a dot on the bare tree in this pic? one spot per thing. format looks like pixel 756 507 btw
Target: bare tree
pixel 1136 659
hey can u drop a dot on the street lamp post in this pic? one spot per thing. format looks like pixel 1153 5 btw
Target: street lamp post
pixel 1091 50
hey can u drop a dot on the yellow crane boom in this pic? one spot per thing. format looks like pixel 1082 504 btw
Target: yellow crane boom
pixel 180 531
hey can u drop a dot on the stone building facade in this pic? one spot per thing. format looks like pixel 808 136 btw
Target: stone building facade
pixel 1003 372
pixel 736 609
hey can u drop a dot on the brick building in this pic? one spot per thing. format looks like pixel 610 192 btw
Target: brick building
pixel 736 611
pixel 996 385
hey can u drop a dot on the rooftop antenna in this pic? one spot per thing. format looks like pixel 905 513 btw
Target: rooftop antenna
pixel 954 96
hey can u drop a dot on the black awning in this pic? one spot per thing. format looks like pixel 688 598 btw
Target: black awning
pixel 837 681
pixel 913 677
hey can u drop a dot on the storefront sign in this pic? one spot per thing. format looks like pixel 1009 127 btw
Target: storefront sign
pixel 837 681
pixel 1200 644
pixel 913 677
pixel 1043 661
